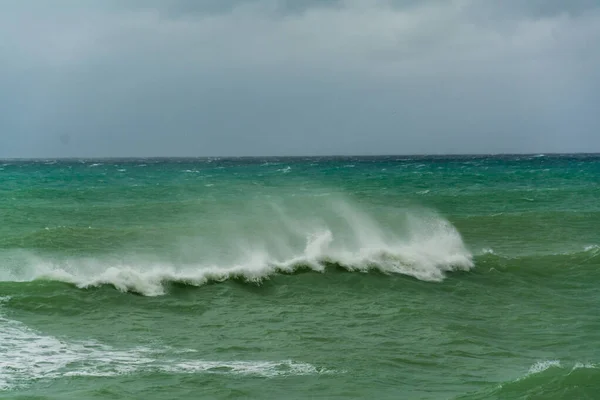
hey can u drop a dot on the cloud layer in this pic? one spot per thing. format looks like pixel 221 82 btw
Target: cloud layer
pixel 269 77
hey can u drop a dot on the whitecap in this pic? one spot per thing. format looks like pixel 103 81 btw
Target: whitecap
pixel 427 247
pixel 542 366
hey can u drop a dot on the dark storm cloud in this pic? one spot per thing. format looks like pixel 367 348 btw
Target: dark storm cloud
pixel 183 77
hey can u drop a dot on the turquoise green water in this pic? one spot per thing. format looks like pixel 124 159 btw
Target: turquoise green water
pixel 390 277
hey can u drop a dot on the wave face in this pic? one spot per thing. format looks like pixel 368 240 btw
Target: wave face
pixel 548 380
pixel 332 234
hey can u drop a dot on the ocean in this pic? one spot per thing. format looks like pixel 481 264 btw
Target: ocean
pixel 438 277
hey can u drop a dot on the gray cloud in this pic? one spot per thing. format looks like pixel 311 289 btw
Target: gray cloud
pixel 183 8
pixel 262 77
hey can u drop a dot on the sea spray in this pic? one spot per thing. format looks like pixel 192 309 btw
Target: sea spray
pixel 338 233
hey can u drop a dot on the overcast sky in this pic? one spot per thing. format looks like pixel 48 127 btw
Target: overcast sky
pixel 106 78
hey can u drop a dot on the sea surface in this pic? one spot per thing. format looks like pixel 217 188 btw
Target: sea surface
pixel 292 278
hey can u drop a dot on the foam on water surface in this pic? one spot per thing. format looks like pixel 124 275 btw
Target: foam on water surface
pixel 29 356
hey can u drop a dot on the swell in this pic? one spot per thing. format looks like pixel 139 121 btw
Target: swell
pixel 548 380
pixel 152 279
pixel 155 279
pixel 584 260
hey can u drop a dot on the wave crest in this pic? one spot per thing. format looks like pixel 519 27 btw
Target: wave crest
pixel 422 245
pixel 546 379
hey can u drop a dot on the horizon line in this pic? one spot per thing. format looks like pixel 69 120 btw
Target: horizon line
pixel 539 154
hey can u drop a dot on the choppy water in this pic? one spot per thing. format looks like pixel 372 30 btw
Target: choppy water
pixel 383 277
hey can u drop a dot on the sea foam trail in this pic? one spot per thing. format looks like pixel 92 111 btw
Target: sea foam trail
pixel 424 246
pixel 27 356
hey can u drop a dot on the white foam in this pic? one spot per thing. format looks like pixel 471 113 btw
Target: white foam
pixel 426 258
pixel 427 248
pixel 546 365
pixel 584 366
pixel 542 366
pixel 27 356
pixel 266 369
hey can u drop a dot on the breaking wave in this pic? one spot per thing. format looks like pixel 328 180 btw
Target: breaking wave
pixel 422 245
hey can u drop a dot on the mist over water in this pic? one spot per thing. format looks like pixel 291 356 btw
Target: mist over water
pixel 255 242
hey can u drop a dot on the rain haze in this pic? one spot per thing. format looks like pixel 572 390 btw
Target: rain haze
pixel 274 77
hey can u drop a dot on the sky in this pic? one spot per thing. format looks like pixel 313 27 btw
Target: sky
pixel 143 78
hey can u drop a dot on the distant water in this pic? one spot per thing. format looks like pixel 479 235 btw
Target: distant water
pixel 375 278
